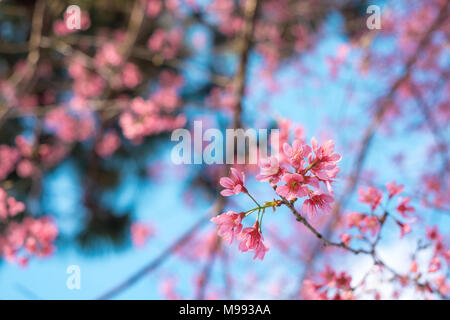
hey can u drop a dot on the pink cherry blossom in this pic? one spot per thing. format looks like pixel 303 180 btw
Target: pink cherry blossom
pixel 8 158
pixel 25 168
pixel 108 54
pixel 371 224
pixel 108 144
pixel 324 164
pixel 144 117
pixel 297 153
pixel 140 232
pixel 229 224
pixel 328 276
pixel 294 187
pixel 435 265
pixel 404 228
pixel 414 267
pixel 168 43
pixel 355 219
pixel 233 184
pixel 403 207
pixel 345 238
pixel 372 197
pixel 343 280
pixel 442 284
pixel 69 127
pixel 394 189
pixel 130 76
pixel 153 8
pixel 433 234
pixel 252 239
pixel 9 206
pixel 317 201
pixel 30 237
pixel 270 170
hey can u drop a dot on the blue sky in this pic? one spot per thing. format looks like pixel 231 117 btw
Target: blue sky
pixel 316 102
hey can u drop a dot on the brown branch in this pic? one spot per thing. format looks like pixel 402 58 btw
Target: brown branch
pixel 372 253
pixel 33 55
pixel 246 40
pixel 321 237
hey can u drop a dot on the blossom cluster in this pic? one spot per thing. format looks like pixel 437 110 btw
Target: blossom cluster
pixel 153 116
pixel 140 232
pixel 302 171
pixel 331 285
pixel 9 206
pixel 372 222
pixel 26 159
pixel 22 239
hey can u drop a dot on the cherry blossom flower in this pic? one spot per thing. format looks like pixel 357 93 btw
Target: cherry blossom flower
pixel 167 287
pixel 343 280
pixel 372 224
pixel 325 161
pixel 168 43
pixel 435 265
pixel 317 201
pixel 414 267
pixel 270 170
pixel 140 232
pixel 144 118
pixel 108 144
pixel 297 153
pixel 69 127
pixel 442 284
pixel 25 168
pixel 233 184
pixel 252 239
pixel 355 219
pixel 9 206
pixel 394 189
pixel 130 76
pixel 8 158
pixel 372 197
pixel 294 187
pixel 153 8
pixel 229 224
pixel 404 228
pixel 346 238
pixel 30 237
pixel 108 54
pixel 433 234
pixel 328 276
pixel 403 207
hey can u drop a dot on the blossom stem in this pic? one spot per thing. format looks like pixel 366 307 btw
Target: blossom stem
pixel 260 220
pixel 263 207
pixel 309 167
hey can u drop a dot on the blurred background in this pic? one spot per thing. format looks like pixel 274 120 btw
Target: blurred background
pixel 86 117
